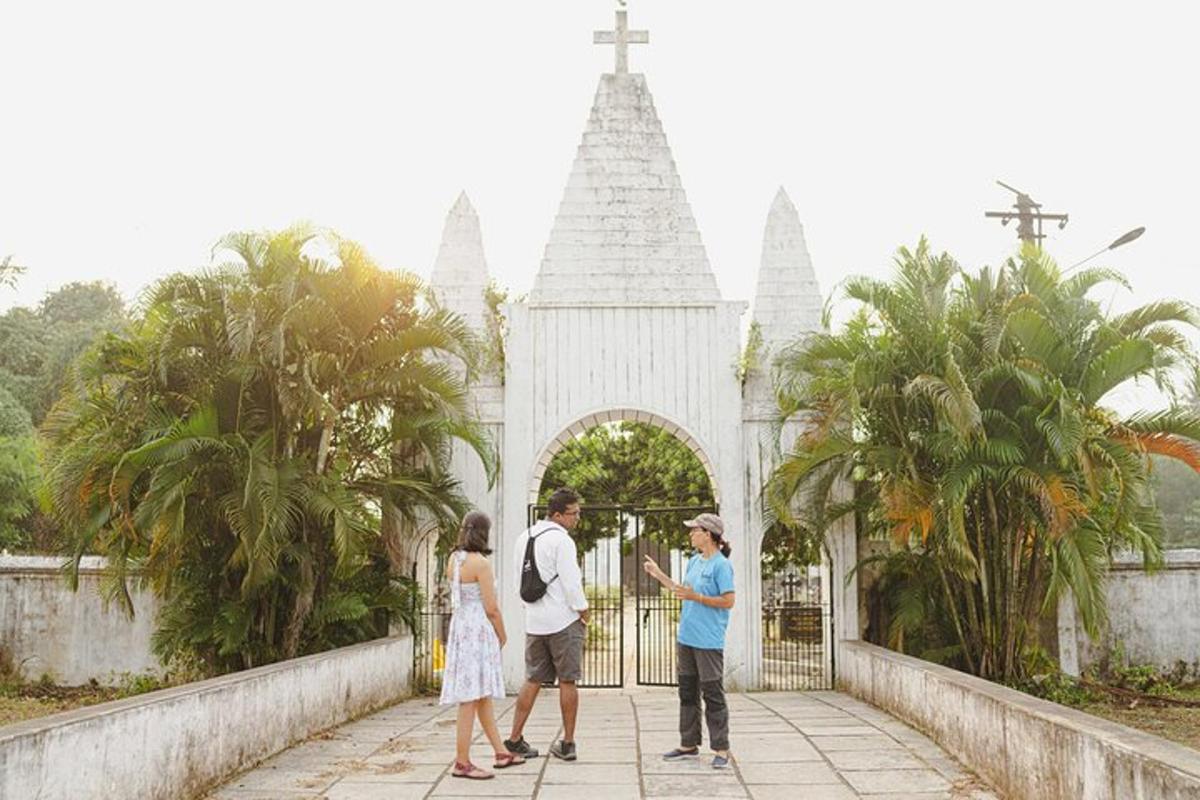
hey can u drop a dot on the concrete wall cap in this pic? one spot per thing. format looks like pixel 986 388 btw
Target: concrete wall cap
pixel 1139 744
pixel 174 693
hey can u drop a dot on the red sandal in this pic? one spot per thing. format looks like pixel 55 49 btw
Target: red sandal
pixel 504 760
pixel 470 771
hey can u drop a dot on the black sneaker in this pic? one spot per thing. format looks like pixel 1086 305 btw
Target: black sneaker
pixel 681 752
pixel 520 747
pixel 563 750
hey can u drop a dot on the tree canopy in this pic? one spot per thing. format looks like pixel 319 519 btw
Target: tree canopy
pixel 968 410
pixel 37 350
pixel 38 346
pixel 238 442
pixel 630 464
pixel 18 471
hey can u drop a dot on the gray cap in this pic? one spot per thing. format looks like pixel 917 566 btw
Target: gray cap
pixel 709 522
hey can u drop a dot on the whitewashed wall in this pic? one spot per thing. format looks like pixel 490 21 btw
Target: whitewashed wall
pixel 1025 747
pixel 676 366
pixel 468 468
pixel 73 636
pixel 1153 616
pixel 180 742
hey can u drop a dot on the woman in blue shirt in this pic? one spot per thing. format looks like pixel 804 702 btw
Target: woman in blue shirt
pixel 707 595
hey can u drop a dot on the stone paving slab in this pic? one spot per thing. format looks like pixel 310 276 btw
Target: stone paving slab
pixel 786 745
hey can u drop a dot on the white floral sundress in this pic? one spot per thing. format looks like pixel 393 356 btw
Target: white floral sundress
pixel 472 647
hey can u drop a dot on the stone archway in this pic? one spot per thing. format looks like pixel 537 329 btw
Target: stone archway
pixel 632 633
pixel 594 418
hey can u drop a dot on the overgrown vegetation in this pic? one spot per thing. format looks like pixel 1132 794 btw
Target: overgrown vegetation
pixel 497 328
pixel 968 411
pixel 18 472
pixel 751 358
pixel 238 444
pixel 1162 702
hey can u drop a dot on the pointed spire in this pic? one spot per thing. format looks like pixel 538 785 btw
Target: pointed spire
pixel 788 301
pixel 624 231
pixel 782 205
pixel 460 273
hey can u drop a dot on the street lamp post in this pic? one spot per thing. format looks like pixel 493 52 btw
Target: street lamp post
pixel 1121 240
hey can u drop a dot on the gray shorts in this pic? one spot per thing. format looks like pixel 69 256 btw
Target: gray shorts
pixel 555 655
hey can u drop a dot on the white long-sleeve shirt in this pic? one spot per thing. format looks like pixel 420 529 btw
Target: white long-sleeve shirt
pixel 555 552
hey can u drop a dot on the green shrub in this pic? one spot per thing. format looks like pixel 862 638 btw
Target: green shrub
pixel 1057 687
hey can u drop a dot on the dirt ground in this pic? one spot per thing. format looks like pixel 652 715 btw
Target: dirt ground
pixel 22 702
pixel 1177 724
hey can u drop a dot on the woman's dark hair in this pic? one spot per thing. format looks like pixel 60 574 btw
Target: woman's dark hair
pixel 721 544
pixel 561 500
pixel 476 529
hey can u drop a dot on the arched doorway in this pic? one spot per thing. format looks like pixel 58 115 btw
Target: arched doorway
pixel 796 613
pixel 640 476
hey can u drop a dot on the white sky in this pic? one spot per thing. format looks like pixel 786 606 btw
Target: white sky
pixel 133 135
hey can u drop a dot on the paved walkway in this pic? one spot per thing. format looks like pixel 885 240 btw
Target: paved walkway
pixel 807 746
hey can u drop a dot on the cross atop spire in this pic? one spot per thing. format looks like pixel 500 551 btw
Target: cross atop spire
pixel 622 37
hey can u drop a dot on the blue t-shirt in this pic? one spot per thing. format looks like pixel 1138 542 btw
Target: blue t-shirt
pixel 701 626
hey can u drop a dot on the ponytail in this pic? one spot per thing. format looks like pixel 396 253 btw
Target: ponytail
pixel 721 544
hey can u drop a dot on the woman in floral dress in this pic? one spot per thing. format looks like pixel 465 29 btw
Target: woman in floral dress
pixel 473 675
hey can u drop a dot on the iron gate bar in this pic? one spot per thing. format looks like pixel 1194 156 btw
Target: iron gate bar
pixel 796 613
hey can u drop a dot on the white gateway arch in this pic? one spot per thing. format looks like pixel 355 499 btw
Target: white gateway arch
pixel 626 322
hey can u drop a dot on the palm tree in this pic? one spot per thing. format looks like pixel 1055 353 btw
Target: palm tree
pixel 239 444
pixel 969 411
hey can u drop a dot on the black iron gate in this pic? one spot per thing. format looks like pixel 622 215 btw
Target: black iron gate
pixel 600 544
pixel 613 541
pixel 797 624
pixel 627 604
pixel 432 614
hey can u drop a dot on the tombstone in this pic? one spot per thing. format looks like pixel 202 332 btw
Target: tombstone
pixel 634 579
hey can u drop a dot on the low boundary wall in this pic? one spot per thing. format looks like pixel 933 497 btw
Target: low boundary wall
pixel 74 637
pixel 1023 746
pixel 1153 617
pixel 179 742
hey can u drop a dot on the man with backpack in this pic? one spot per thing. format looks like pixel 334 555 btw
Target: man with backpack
pixel 556 619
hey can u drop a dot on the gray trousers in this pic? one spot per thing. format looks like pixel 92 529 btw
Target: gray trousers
pixel 700 673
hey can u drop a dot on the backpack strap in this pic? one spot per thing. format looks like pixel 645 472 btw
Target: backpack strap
pixel 531 540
